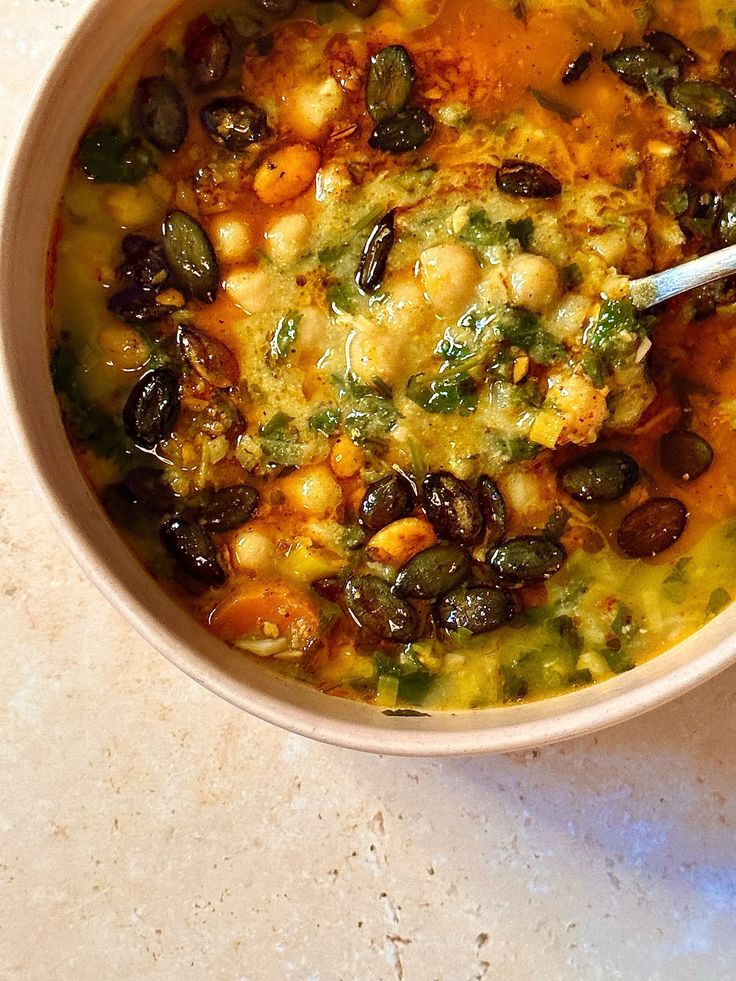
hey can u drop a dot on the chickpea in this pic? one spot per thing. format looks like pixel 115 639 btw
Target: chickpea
pixel 534 282
pixel 249 288
pixel 450 275
pixel 286 173
pixel 313 491
pixel 287 238
pixel 313 107
pixel 123 347
pixel 374 354
pixel 252 550
pixel 231 237
pixel 133 207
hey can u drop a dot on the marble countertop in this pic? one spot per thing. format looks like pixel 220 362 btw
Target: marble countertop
pixel 150 830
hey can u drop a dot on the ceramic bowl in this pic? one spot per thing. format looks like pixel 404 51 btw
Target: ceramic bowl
pixel 59 112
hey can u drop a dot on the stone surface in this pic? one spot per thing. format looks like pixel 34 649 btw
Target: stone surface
pixel 150 831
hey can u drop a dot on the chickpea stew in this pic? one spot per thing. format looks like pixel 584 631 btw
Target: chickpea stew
pixel 341 333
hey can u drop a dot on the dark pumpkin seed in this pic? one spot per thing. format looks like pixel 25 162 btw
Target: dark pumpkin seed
pixel 136 305
pixel 144 262
pixel 493 508
pixel 374 258
pixel 194 550
pixel 602 475
pixel 207 58
pixel 105 155
pixel 685 455
pixel 526 560
pixel 702 212
pixel 727 223
pixel 652 527
pixel 433 572
pixel 390 78
pixel 146 488
pixel 161 113
pixel 452 507
pixel 671 47
pixel 234 123
pixel 478 609
pixel 526 180
pixel 706 103
pixel 227 508
pixel 329 588
pixel 643 69
pixel 385 501
pixel 210 358
pixel 151 407
pixel 376 610
pixel 407 130
pixel 190 255
pixel 577 68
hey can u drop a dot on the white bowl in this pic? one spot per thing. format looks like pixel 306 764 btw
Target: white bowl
pixel 58 115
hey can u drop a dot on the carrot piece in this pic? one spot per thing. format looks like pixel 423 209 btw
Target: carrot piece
pixel 266 608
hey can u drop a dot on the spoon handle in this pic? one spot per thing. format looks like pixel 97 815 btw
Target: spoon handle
pixel 661 286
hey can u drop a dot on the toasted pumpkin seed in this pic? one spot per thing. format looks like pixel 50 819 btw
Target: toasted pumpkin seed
pixel 194 550
pixel 151 407
pixel 478 609
pixel 210 358
pixel 493 508
pixel 234 123
pixel 407 130
pixel 642 68
pixel 527 560
pixel 527 180
pixel 385 501
pixel 207 57
pixel 105 155
pixel 684 454
pixel 671 47
pixel 227 508
pixel 190 255
pixel 602 475
pixel 161 113
pixel 390 78
pixel 433 572
pixel 652 527
pixel 376 610
pixel 577 68
pixel 706 103
pixel 374 258
pixel 452 508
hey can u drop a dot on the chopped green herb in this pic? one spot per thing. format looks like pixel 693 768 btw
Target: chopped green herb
pixel 342 298
pixel 523 329
pixel 718 600
pixel 522 230
pixel 617 332
pixel 280 441
pixel 105 155
pixel 447 393
pixel 483 233
pixel 325 420
pixel 284 336
pixel 369 412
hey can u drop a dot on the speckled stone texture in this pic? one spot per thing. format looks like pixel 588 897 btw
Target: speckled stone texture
pixel 148 830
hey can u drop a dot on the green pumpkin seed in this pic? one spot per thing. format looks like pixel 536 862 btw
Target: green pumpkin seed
pixel 194 550
pixel 227 508
pixel 603 475
pixel 727 224
pixel 374 258
pixel 706 103
pixel 493 507
pixel 209 357
pixel 527 180
pixel 527 560
pixel 652 527
pixel 684 454
pixel 478 609
pixel 390 79
pixel 190 255
pixel 671 47
pixel 407 130
pixel 642 68
pixel 452 507
pixel 106 156
pixel 433 572
pixel 376 610
pixel 160 113
pixel 234 123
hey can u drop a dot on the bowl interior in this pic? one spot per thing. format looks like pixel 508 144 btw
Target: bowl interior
pixel 60 110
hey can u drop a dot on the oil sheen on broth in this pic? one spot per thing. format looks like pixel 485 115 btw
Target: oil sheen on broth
pixel 340 331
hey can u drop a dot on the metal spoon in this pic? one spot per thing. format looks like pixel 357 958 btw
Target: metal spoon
pixel 661 286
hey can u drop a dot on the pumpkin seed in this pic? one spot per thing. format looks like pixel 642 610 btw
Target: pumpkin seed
pixel 577 68
pixel 160 113
pixel 433 572
pixel 642 68
pixel 727 224
pixel 390 78
pixel 144 262
pixel 136 305
pixel 452 508
pixel 385 501
pixel 671 47
pixel 374 258
pixel 207 57
pixel 527 180
pixel 146 488
pixel 190 255
pixel 227 508
pixel 602 475
pixel 478 609
pixel 527 560
pixel 151 407
pixel 493 507
pixel 234 123
pixel 702 212
pixel 706 103
pixel 194 550
pixel 407 130
pixel 105 155
pixel 652 527
pixel 376 610
pixel 684 454
pixel 209 357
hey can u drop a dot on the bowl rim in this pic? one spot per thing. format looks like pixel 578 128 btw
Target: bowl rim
pixel 618 699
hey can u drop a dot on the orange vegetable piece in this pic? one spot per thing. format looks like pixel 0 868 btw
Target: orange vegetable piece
pixel 266 608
